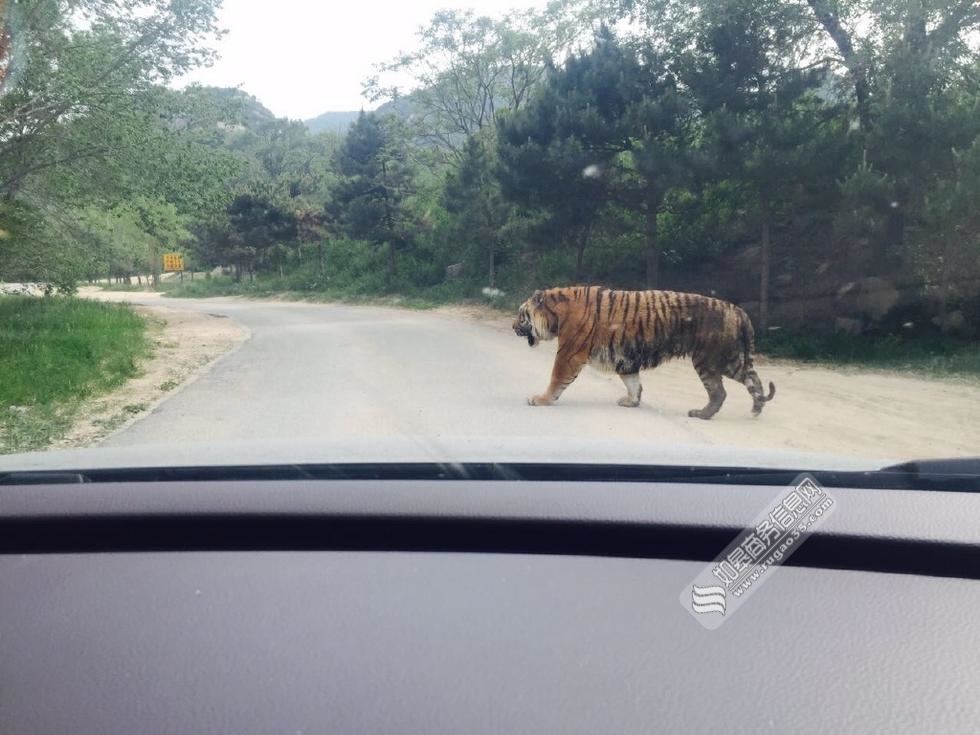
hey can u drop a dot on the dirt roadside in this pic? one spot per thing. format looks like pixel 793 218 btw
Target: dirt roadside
pixel 185 345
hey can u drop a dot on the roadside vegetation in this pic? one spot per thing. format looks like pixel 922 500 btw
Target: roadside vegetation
pixel 934 357
pixel 56 352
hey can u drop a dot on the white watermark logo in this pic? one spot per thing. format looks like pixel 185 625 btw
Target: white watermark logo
pixel 779 530
pixel 708 599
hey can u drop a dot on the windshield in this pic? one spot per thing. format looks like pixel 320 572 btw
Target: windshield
pixel 715 233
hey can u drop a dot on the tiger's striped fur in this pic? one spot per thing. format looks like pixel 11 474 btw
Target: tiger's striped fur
pixel 628 331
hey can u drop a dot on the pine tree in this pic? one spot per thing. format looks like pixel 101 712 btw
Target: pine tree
pixel 472 195
pixel 369 201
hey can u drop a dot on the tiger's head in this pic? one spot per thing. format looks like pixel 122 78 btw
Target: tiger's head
pixel 536 319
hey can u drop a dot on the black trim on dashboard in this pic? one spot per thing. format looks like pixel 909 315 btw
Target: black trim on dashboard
pixel 268 533
pixel 962 476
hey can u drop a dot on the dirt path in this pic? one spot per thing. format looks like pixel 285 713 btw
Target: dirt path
pixel 185 344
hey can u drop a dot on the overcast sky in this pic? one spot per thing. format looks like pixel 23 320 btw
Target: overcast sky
pixel 304 57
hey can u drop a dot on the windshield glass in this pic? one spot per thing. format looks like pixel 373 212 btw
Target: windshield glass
pixel 715 233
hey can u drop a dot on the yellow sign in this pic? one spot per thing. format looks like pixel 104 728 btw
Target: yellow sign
pixel 173 262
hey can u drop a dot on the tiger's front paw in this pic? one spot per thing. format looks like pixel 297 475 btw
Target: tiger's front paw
pixel 539 401
pixel 627 402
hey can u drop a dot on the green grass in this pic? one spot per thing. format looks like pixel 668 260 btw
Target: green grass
pixel 267 287
pixel 930 356
pixel 54 353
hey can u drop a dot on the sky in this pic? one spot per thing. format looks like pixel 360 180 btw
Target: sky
pixel 304 57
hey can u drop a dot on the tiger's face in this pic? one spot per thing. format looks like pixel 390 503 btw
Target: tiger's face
pixel 535 320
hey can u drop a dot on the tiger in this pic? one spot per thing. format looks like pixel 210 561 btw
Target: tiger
pixel 628 331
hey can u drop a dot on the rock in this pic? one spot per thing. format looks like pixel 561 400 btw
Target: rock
pixel 20 410
pixel 25 289
pixel 748 257
pixel 454 271
pixel 869 297
pixel 848 326
pixel 954 323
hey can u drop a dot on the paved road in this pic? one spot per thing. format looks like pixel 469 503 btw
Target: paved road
pixel 312 370
pixel 332 372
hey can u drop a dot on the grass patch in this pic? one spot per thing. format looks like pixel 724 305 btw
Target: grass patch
pixel 932 356
pixel 55 353
pixel 269 287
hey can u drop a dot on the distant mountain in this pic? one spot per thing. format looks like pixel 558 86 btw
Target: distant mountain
pixel 245 109
pixel 332 122
pixel 339 122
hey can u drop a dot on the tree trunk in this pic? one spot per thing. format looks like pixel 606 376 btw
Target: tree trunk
pixel 579 257
pixel 319 257
pixel 652 245
pixel 492 273
pixel 391 264
pixel 157 267
pixel 889 248
pixel 855 64
pixel 764 257
pixel 944 286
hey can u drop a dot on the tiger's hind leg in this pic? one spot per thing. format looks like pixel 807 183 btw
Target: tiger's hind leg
pixel 716 394
pixel 633 390
pixel 750 379
pixel 754 386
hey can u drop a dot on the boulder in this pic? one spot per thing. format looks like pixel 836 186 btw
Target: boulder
pixel 848 326
pixel 870 297
pixel 955 323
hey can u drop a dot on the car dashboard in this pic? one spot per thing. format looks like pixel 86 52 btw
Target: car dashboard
pixel 476 599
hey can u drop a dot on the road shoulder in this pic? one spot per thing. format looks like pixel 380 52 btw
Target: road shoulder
pixel 185 346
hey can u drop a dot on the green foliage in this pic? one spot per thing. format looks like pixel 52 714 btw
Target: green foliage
pixel 478 212
pixel 54 352
pixel 608 126
pixel 369 200
pixel 467 68
pixel 88 125
pixel 935 356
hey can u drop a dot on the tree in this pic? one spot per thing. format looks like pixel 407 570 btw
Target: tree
pixel 472 195
pixel 467 69
pixel 253 225
pixel 758 118
pixel 608 125
pixel 82 102
pixel 63 71
pixel 369 200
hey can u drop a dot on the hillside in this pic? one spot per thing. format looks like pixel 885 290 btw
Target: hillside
pixel 339 121
pixel 333 122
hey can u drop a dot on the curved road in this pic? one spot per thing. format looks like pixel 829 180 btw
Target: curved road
pixel 336 372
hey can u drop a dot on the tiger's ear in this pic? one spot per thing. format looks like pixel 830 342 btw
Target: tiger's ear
pixel 537 297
